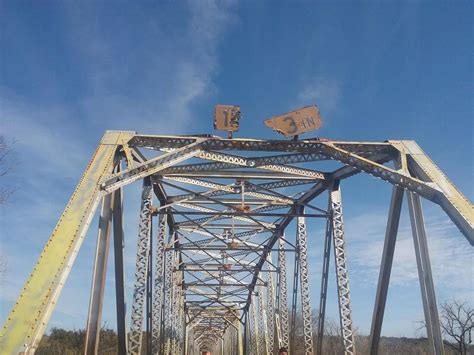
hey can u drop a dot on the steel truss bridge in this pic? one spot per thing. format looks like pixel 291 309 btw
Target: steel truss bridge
pixel 213 244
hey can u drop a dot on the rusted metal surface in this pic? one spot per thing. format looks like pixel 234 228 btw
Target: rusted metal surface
pixel 296 122
pixel 226 118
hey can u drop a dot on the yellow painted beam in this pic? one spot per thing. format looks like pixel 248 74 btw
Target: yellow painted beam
pixel 27 321
pixel 453 202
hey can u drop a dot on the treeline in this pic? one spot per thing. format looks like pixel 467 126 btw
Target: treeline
pixel 71 342
pixel 332 345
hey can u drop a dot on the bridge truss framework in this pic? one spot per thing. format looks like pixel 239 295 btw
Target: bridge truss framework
pixel 214 242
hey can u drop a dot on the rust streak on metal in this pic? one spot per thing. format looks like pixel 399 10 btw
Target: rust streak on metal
pixel 296 122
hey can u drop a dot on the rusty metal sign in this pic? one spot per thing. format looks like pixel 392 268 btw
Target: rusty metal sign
pixel 226 118
pixel 296 122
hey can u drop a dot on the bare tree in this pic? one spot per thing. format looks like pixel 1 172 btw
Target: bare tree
pixel 457 322
pixel 5 167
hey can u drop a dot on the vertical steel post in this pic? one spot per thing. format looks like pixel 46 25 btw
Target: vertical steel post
pixel 304 280
pixel 168 308
pixel 240 341
pixel 255 335
pixel 324 286
pixel 294 301
pixel 342 273
pixel 119 275
pixel 424 273
pixel 186 335
pixel 283 295
pixel 177 307
pixel 270 304
pixel 98 276
pixel 180 309
pixel 149 294
pixel 245 335
pixel 158 283
pixel 135 335
pixel 262 324
pixel 385 268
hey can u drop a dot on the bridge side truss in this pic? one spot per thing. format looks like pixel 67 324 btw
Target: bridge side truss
pixel 214 237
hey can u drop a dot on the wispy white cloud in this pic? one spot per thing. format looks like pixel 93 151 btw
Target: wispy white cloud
pixel 46 136
pixel 451 257
pixel 152 90
pixel 324 92
pixel 153 86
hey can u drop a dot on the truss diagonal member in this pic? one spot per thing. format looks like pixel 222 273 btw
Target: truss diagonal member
pixel 381 171
pixel 283 295
pixel 26 323
pixel 385 268
pixel 228 189
pixel 268 185
pixel 304 281
pixel 438 190
pixel 98 276
pixel 324 286
pixel 141 268
pixel 224 204
pixel 152 166
pixel 117 220
pixel 316 190
pixel 202 220
pixel 342 274
pixel 451 200
pixel 241 243
pixel 223 213
pixel 158 283
pixel 294 298
pixel 428 294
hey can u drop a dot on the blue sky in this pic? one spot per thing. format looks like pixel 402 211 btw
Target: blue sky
pixel 377 69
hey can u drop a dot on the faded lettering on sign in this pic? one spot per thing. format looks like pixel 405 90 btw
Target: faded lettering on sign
pixel 226 118
pixel 296 122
